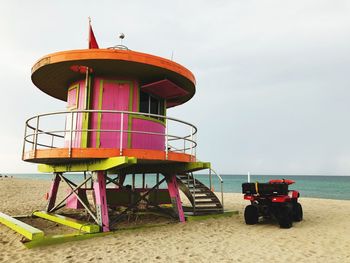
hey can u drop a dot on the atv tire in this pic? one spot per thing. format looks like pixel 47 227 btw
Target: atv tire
pixel 285 217
pixel 297 212
pixel 251 215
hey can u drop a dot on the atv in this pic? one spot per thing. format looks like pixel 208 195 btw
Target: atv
pixel 272 200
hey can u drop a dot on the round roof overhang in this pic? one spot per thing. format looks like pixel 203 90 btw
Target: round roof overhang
pixel 53 73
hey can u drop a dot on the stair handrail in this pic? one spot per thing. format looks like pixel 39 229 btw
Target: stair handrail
pixel 221 184
pixel 194 192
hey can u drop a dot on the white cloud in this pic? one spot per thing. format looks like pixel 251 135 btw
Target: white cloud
pixel 272 75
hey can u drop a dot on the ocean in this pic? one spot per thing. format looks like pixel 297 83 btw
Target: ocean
pixel 329 187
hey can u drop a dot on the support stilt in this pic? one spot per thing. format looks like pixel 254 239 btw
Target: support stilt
pixel 175 196
pixel 101 200
pixel 122 179
pixel 53 192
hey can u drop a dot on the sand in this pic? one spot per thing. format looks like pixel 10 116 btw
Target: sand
pixel 323 235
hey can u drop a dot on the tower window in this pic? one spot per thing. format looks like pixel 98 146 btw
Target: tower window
pixel 150 104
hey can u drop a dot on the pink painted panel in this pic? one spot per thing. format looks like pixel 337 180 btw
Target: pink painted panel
pixel 53 192
pixel 175 196
pixel 115 97
pixel 101 200
pixel 147 141
pixel 77 121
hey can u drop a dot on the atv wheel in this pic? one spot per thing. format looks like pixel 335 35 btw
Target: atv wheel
pixel 251 215
pixel 285 218
pixel 297 212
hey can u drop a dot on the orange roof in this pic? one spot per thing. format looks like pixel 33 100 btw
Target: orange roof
pixel 53 73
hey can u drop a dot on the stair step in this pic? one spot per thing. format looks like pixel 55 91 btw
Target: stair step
pixel 211 208
pixel 208 202
pixel 200 190
pixel 208 206
pixel 198 187
pixel 204 193
pixel 203 197
pixel 207 212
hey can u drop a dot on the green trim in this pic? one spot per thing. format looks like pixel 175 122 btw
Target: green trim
pixel 143 117
pixel 205 217
pixel 99 165
pixel 20 227
pixel 194 166
pixel 165 108
pixel 98 133
pixel 85 124
pixel 59 239
pixel 131 104
pixel 70 222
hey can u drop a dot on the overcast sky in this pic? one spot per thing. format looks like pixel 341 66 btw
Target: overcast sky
pixel 272 76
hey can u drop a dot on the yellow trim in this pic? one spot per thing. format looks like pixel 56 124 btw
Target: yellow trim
pixel 86 115
pixel 99 165
pixel 99 116
pixel 143 117
pixel 70 222
pixel 20 227
pixel 58 239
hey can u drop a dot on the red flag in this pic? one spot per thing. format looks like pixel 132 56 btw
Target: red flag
pixel 92 39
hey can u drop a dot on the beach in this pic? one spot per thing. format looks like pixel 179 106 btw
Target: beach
pixel 323 235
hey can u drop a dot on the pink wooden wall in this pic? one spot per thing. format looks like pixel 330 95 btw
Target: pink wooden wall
pixel 120 95
pixel 147 141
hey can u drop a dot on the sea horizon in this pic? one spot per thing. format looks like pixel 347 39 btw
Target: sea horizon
pixel 314 186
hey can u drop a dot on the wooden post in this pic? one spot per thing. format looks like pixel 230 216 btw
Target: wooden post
pixel 101 200
pixel 53 192
pixel 175 196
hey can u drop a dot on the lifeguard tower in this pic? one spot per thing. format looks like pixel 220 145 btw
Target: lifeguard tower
pixel 115 130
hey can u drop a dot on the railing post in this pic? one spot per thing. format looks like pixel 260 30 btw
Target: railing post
pixel 71 134
pixel 195 148
pixel 166 139
pixel 210 180
pixel 121 133
pixel 188 180
pixel 36 135
pixel 194 192
pixel 222 194
pixel 52 137
pixel 184 150
pixel 191 142
pixel 24 140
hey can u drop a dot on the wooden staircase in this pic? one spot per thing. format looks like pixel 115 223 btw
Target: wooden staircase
pixel 202 199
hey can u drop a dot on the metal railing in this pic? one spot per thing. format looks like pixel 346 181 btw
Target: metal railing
pixel 40 134
pixel 211 171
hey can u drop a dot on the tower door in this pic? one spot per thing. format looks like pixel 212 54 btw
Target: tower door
pixel 115 96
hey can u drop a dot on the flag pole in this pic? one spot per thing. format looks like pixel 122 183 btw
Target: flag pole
pixel 89 38
pixel 87 92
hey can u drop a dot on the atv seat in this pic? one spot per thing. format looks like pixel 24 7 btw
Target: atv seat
pixel 265 188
